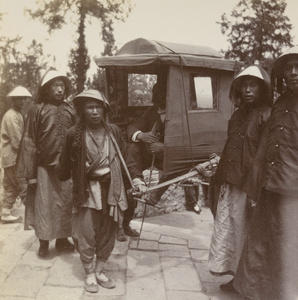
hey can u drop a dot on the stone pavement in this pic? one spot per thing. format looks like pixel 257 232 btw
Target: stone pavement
pixel 169 262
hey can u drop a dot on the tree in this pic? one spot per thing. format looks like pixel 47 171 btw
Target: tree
pixel 19 68
pixel 56 13
pixel 257 30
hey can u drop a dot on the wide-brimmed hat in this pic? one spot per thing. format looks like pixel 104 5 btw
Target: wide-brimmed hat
pixel 81 98
pixel 52 74
pixel 252 71
pixel 279 63
pixel 19 91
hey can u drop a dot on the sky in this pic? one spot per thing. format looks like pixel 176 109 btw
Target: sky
pixel 180 21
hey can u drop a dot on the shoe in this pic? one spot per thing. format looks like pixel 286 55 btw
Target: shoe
pixel 91 287
pixel 64 245
pixel 104 281
pixel 43 248
pixel 227 287
pixel 197 210
pixel 9 219
pixel 131 232
pixel 121 236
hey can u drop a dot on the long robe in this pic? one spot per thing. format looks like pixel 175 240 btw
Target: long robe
pixel 268 268
pixel 233 206
pixel 49 202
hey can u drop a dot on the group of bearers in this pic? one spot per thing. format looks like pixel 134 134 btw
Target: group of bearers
pixel 255 235
pixel 78 168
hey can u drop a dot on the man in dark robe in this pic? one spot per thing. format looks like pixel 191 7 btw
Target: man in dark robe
pixel 49 207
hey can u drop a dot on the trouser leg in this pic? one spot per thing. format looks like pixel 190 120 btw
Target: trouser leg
pixel 83 233
pixel 129 213
pixel 105 236
pixel 191 196
pixel 10 186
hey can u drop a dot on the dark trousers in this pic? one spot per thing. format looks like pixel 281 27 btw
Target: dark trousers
pixel 94 233
pixel 129 212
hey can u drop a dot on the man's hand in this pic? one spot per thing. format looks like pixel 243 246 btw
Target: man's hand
pixel 147 137
pixel 139 187
pixel 157 147
pixel 140 190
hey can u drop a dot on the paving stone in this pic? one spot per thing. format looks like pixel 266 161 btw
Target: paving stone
pixel 214 293
pixel 178 295
pixel 151 236
pixel 145 288
pixel 5 232
pixel 16 298
pixel 24 281
pixel 172 240
pixel 11 226
pixel 167 262
pixel 199 255
pixel 172 231
pixel 116 263
pixel 32 259
pixel 142 264
pixel 121 247
pixel 3 276
pixel 198 244
pixel 144 245
pixel 183 279
pixel 174 253
pixel 147 226
pixel 13 248
pixel 166 247
pixel 67 270
pixel 59 293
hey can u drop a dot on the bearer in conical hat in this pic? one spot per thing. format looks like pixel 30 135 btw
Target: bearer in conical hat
pixel 45 130
pixel 269 267
pixel 93 155
pixel 12 128
pixel 251 92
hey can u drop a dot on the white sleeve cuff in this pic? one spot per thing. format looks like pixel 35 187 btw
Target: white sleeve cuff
pixel 138 181
pixel 134 137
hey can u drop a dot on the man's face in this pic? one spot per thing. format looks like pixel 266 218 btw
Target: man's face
pixel 19 103
pixel 93 112
pixel 250 89
pixel 291 73
pixel 57 90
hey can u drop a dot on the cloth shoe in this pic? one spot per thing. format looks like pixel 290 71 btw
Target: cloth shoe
pixel 43 248
pixel 90 284
pixel 9 218
pixel 64 244
pixel 131 232
pixel 227 287
pixel 121 236
pixel 197 209
pixel 104 281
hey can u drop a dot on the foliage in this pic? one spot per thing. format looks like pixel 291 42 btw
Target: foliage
pixel 57 13
pixel 98 81
pixel 257 30
pixel 19 67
